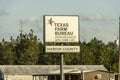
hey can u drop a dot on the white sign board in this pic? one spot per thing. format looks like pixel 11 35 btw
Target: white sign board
pixel 62 49
pixel 61 29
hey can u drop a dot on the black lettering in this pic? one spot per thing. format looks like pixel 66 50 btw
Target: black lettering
pixel 61 24
pixel 60 28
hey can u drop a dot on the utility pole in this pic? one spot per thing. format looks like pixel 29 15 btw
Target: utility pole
pixel 119 53
pixel 21 24
pixel 21 29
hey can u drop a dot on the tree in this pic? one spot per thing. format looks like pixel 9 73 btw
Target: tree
pixel 87 55
pixel 27 49
pixel 113 56
pixel 6 53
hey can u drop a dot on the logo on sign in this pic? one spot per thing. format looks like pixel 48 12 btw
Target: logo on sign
pixel 50 21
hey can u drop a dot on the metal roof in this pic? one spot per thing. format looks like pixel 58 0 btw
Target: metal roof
pixel 47 69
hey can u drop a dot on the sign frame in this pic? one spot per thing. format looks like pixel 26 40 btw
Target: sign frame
pixel 60 43
pixel 62 49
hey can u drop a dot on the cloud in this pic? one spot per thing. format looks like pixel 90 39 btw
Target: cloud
pixel 34 22
pixel 103 29
pixel 3 13
pixel 105 33
pixel 95 17
pixel 98 25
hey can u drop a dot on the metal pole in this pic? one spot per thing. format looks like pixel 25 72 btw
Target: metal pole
pixel 119 52
pixel 61 67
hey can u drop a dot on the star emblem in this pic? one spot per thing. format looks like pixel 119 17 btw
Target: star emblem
pixel 50 21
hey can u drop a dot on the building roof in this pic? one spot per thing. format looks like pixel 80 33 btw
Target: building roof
pixel 48 69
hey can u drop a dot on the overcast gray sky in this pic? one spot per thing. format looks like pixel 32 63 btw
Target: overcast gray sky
pixel 98 18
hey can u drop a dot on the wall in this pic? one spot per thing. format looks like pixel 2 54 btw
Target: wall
pixel 93 75
pixel 18 77
pixel 24 77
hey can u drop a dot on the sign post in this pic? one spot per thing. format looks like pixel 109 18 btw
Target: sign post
pixel 61 35
pixel 61 66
